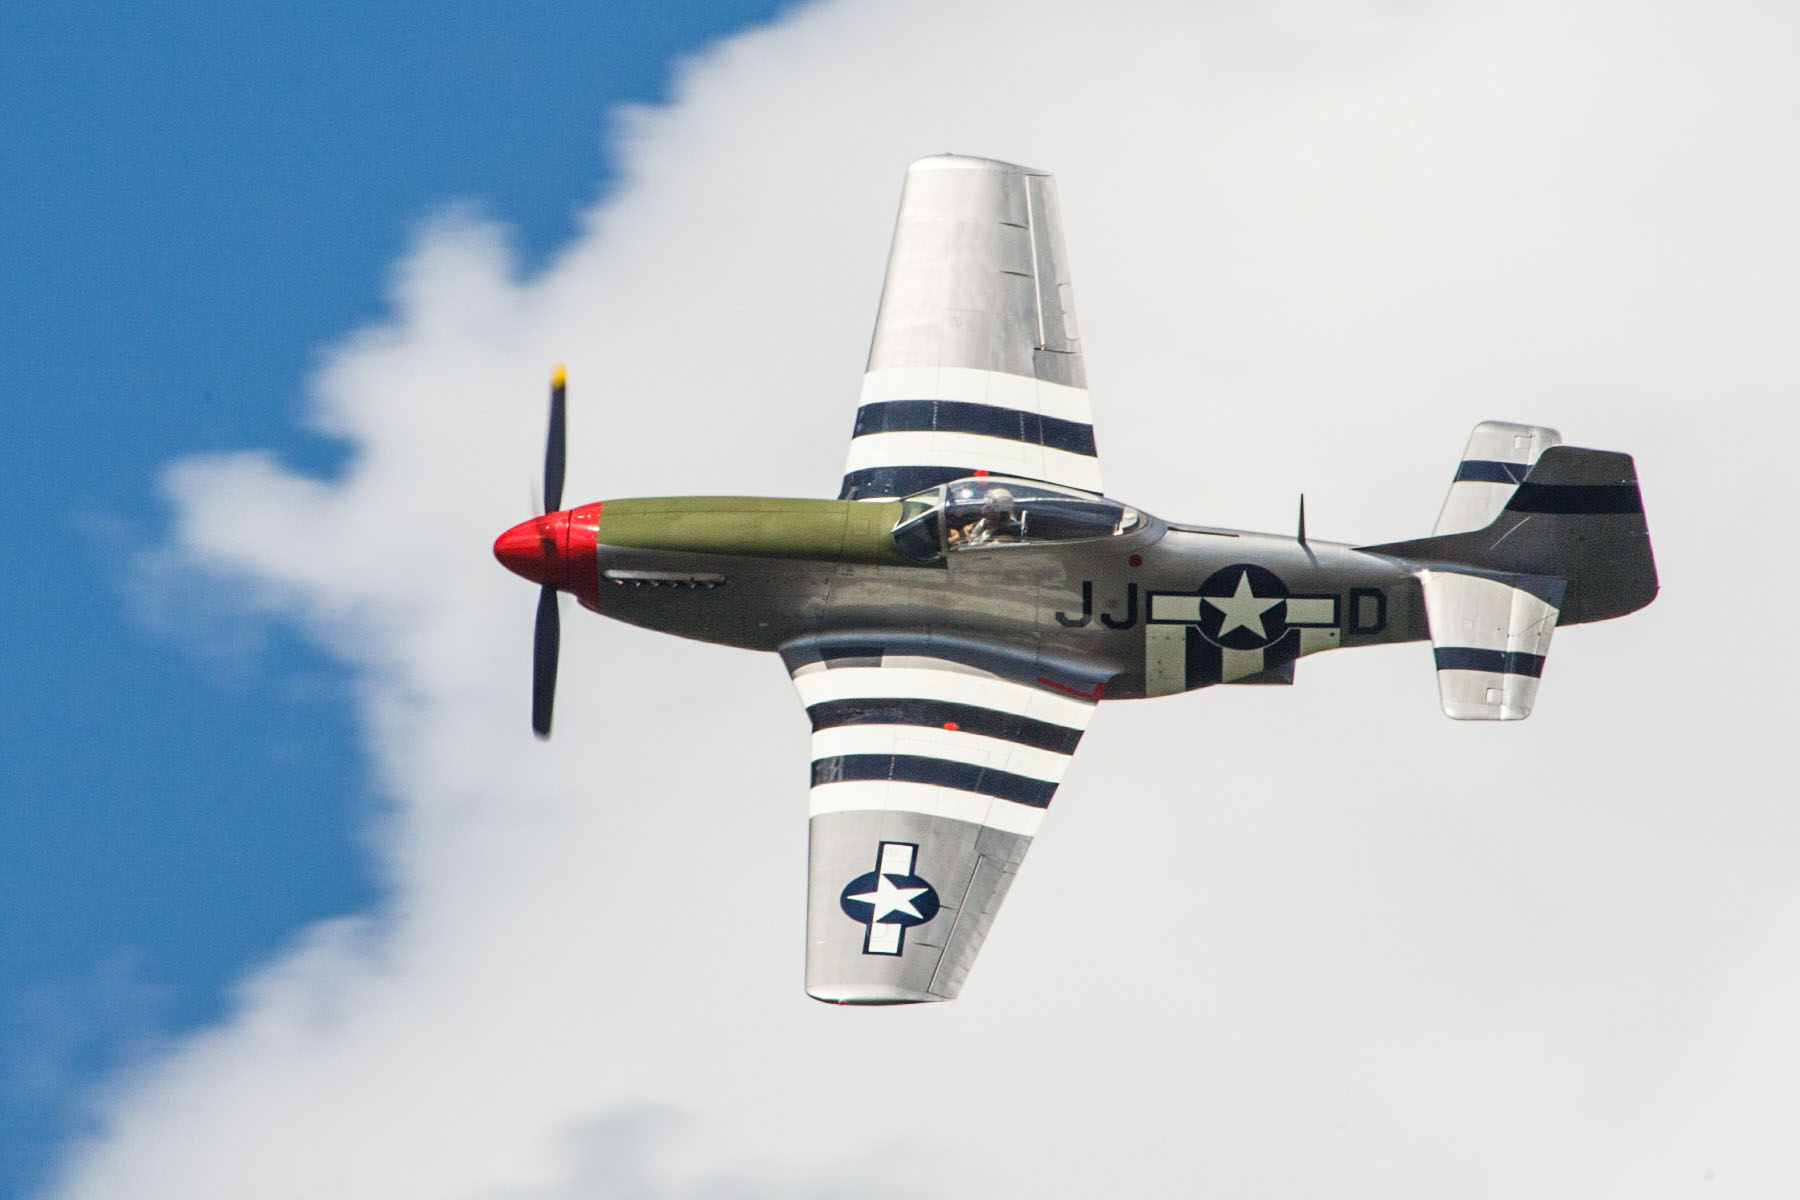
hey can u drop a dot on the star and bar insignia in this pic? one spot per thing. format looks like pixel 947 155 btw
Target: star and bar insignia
pixel 890 899
pixel 1241 624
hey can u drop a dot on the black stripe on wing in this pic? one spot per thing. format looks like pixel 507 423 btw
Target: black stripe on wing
pixel 984 420
pixel 945 714
pixel 897 481
pixel 913 768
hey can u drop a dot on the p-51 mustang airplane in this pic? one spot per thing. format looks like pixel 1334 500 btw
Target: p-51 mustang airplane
pixel 953 618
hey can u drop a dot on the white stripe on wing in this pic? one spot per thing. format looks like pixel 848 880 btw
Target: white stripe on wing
pixel 975 386
pixel 971 451
pixel 882 795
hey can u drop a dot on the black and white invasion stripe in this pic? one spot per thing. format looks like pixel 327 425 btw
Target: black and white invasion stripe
pixel 941 739
pixel 913 433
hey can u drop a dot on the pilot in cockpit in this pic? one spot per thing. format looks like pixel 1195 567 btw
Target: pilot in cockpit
pixel 993 522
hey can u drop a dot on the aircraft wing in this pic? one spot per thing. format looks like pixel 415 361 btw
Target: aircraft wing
pixel 929 779
pixel 976 361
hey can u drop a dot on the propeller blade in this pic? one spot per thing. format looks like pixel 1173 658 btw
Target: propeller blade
pixel 555 447
pixel 543 661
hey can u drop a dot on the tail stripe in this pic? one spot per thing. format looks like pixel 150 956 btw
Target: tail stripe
pixel 1487 470
pixel 1489 635
pixel 1501 662
pixel 1498 457
pixel 1598 498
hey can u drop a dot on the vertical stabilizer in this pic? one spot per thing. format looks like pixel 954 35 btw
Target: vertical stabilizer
pixel 1497 459
pixel 1577 517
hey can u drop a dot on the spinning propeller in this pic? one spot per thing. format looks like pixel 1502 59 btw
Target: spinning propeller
pixel 555 550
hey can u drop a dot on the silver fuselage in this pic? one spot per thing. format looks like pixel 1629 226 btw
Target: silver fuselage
pixel 1080 602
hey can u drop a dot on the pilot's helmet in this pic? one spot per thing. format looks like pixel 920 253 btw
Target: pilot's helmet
pixel 999 502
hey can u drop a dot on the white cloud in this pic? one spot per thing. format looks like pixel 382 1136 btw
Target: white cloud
pixel 1281 942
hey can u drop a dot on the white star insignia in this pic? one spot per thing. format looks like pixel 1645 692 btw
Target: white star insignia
pixel 1244 608
pixel 888 898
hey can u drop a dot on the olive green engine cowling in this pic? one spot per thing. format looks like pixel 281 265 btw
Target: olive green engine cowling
pixel 857 531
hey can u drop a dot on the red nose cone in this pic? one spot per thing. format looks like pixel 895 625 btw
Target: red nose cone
pixel 537 549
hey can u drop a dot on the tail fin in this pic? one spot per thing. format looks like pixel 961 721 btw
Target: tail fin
pixel 1564 543
pixel 1577 516
pixel 1497 458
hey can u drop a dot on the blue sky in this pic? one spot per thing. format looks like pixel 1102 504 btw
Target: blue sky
pixel 197 199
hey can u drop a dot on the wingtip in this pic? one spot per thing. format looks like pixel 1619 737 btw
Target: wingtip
pixel 971 162
pixel 872 997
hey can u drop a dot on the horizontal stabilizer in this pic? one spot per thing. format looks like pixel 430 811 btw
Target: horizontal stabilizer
pixel 1490 636
pixel 1495 462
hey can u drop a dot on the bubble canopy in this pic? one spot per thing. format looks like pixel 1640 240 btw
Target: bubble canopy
pixel 989 512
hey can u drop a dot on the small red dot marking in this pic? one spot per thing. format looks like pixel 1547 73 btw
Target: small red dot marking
pixel 981 472
pixel 950 725
pixel 1136 560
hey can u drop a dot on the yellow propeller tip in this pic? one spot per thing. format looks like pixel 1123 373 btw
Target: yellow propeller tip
pixel 560 376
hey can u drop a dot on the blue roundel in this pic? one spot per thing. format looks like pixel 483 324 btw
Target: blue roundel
pixel 878 899
pixel 1243 607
